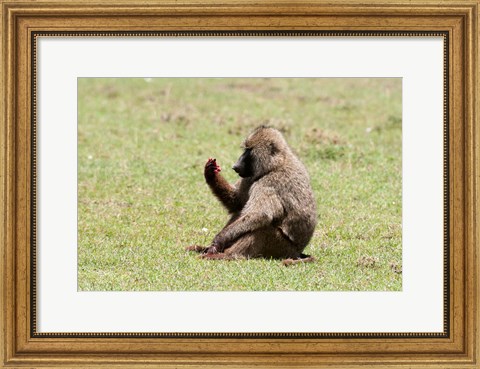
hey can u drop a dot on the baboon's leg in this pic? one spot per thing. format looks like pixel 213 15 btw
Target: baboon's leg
pixel 267 242
pixel 258 214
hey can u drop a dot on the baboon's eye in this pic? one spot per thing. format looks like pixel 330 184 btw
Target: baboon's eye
pixel 273 148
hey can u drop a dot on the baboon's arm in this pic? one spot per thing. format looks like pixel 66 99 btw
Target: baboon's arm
pixel 261 210
pixel 224 191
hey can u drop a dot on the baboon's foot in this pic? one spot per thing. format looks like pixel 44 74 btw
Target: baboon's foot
pixel 306 259
pixel 196 248
pixel 217 256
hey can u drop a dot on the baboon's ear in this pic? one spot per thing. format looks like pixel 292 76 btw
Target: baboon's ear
pixel 273 148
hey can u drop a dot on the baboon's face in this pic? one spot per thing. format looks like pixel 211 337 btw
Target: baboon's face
pixel 264 151
pixel 244 164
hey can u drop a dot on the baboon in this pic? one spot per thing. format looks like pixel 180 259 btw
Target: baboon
pixel 272 207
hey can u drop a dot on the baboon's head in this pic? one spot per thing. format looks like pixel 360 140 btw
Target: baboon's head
pixel 264 151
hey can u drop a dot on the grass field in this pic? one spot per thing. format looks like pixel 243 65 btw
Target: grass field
pixel 142 145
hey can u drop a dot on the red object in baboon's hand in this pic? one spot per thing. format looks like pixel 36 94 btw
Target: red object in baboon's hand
pixel 211 168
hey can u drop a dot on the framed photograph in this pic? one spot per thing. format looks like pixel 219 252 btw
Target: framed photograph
pixel 232 184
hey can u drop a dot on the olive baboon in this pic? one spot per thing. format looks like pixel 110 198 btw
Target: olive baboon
pixel 272 207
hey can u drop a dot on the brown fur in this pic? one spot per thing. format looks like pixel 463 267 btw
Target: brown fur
pixel 273 211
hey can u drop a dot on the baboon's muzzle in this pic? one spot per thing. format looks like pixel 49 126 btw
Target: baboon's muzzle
pixel 243 166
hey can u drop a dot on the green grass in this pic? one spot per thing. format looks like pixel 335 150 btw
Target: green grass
pixel 142 145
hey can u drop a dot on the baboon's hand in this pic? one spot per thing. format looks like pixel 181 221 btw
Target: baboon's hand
pixel 210 250
pixel 211 168
pixel 215 247
pixel 218 243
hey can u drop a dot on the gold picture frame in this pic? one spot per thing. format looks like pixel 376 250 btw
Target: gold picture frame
pixel 22 21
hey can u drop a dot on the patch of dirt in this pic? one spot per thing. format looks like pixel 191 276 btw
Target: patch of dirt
pixel 367 262
pixel 320 136
pixel 183 115
pixel 396 268
pixel 111 92
pixel 244 125
pixel 262 87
